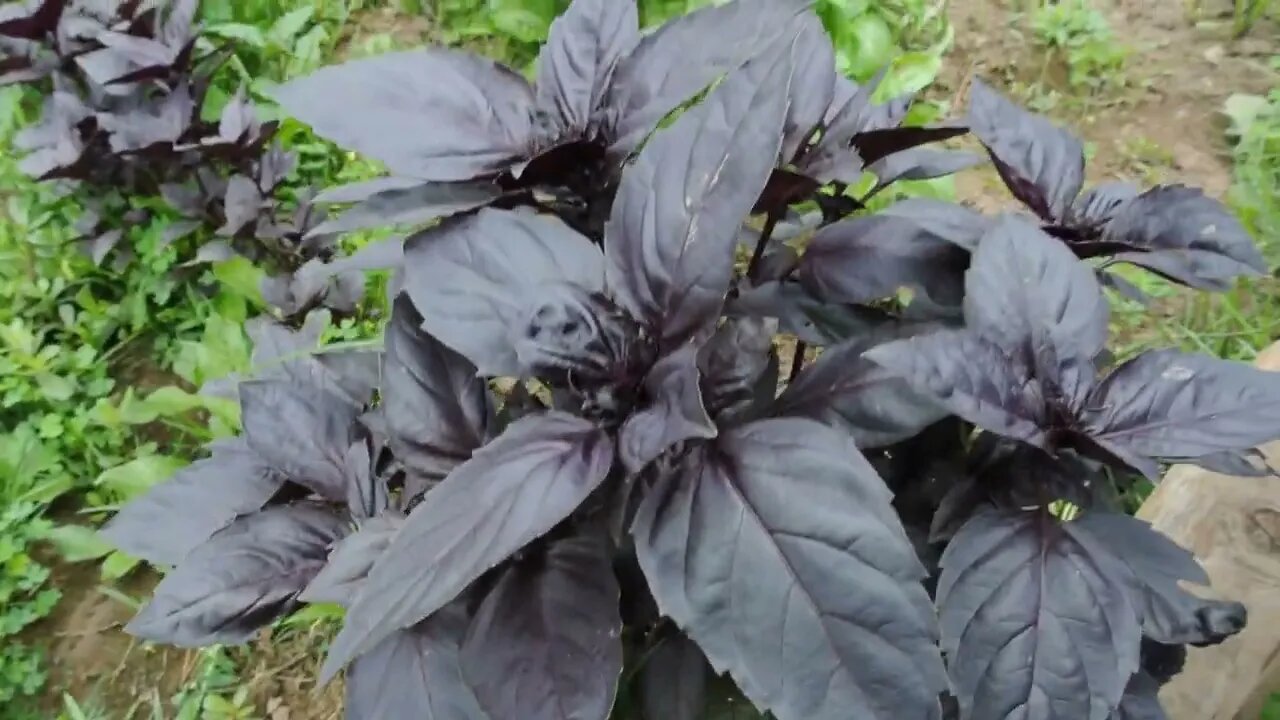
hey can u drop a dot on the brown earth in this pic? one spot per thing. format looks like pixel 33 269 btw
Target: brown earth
pixel 1163 124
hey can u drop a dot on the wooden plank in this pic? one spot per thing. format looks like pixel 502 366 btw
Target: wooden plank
pixel 1233 527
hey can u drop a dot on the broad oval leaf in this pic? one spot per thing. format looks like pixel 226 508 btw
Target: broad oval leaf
pixel 674 413
pixel 1170 615
pixel 509 493
pixel 577 62
pixel 1042 164
pixel 1028 293
pixel 301 432
pixel 874 404
pixel 546 642
pixel 812 85
pixel 415 673
pixel 920 163
pixel 678 60
pixel 777 551
pixel 472 279
pixel 351 560
pixel 437 411
pixel 173 518
pixel 1034 624
pixel 871 257
pixel 245 576
pixel 432 114
pixel 1166 403
pixel 670 239
pixel 972 378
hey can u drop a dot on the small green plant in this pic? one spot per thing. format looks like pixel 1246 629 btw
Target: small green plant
pixel 24 599
pixel 1081 36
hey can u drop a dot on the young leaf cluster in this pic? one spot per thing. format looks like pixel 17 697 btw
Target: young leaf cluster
pixel 575 462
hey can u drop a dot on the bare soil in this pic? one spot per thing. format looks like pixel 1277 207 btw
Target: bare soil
pixel 1163 125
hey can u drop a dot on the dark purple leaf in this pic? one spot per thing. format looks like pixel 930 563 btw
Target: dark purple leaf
pixel 1237 463
pixel 545 644
pixel 173 518
pixel 102 245
pixel 673 414
pixel 1026 291
pixel 157 122
pixel 241 206
pixel 1165 403
pixel 680 59
pixel 1100 203
pixel 845 390
pixel 871 257
pixel 956 224
pixel 778 552
pixel 509 493
pixel 1141 700
pixel 570 334
pixel 1042 164
pixel 415 673
pixel 479 113
pixel 1180 233
pixel 739 369
pixel 673 681
pixel 367 492
pixel 241 579
pixel 670 239
pixel 411 206
pixel 301 432
pixel 812 84
pixel 1169 614
pixel 437 411
pixel 972 378
pixel 1034 621
pixel 31 24
pixel 351 560
pixel 576 65
pixel 921 163
pixel 474 278
pixel 873 146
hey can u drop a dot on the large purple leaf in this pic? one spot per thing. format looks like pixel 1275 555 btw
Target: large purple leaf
pixel 871 257
pixel 670 239
pixel 437 411
pixel 415 673
pixel 1141 699
pixel 1180 233
pixel 812 85
pixel 241 579
pixel 972 378
pixel 1034 622
pixel 509 493
pixel 1042 164
pixel 173 518
pixel 778 552
pixel 546 642
pixel 1170 404
pixel 432 114
pixel 301 432
pixel 920 163
pixel 674 413
pixel 1169 614
pixel 351 560
pixel 1028 293
pixel 415 205
pixel 475 277
pixel 31 24
pixel 1100 203
pixel 739 369
pixel 956 224
pixel 576 65
pixel 680 59
pixel 875 405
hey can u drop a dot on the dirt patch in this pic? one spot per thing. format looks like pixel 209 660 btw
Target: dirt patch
pixel 1163 126
pixel 404 31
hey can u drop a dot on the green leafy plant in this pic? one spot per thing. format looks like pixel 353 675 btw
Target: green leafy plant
pixel 1081 36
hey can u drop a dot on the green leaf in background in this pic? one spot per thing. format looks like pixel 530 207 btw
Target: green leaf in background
pixel 909 73
pixel 78 543
pixel 288 27
pixel 527 21
pixel 118 564
pixel 864 45
pixel 247 34
pixel 135 477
